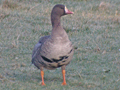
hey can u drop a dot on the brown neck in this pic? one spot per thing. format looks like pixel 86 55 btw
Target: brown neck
pixel 57 31
pixel 55 20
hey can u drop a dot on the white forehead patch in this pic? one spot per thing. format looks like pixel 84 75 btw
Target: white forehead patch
pixel 66 10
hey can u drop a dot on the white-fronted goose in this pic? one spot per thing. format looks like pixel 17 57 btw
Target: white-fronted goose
pixel 55 50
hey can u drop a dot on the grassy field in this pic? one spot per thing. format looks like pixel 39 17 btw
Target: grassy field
pixel 94 29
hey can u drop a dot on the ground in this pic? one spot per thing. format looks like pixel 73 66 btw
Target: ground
pixel 94 30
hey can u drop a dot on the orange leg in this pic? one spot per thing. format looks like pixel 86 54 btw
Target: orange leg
pixel 64 81
pixel 42 76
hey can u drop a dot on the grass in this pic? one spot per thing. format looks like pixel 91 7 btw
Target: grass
pixel 94 29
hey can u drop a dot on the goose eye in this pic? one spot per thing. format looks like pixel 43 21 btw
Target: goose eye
pixel 62 8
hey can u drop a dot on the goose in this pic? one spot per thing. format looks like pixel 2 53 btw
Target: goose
pixel 55 50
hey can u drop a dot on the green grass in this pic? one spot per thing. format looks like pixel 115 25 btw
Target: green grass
pixel 94 29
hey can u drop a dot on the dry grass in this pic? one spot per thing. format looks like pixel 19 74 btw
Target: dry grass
pixel 9 4
pixel 94 30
